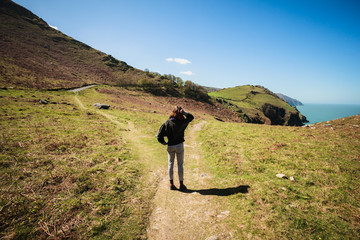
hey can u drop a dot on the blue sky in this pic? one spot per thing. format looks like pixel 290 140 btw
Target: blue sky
pixel 308 50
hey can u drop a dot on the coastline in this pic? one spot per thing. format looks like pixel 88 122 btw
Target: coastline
pixel 316 112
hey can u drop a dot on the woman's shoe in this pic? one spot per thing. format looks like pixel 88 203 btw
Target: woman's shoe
pixel 182 187
pixel 172 186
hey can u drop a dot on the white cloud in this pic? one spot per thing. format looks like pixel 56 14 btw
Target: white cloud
pixel 189 73
pixel 53 27
pixel 178 60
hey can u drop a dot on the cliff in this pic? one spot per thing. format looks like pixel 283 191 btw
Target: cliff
pixel 293 102
pixel 256 104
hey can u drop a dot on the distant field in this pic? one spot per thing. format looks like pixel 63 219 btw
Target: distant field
pixel 322 202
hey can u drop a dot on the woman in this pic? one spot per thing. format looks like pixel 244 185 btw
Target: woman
pixel 174 129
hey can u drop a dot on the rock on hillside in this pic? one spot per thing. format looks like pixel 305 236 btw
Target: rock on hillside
pixel 256 104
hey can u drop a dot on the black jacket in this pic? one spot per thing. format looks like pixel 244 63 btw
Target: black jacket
pixel 174 129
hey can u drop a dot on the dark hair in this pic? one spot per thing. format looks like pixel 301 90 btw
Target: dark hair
pixel 176 113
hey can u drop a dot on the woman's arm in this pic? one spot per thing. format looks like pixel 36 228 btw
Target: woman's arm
pixel 189 116
pixel 161 134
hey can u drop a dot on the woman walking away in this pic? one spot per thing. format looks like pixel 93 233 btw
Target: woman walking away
pixel 174 129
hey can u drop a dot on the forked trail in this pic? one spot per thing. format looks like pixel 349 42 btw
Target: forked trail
pixel 191 214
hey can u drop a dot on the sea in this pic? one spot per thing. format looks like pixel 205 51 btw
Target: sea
pixel 325 112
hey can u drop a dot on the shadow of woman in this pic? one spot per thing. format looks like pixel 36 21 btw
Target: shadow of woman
pixel 221 192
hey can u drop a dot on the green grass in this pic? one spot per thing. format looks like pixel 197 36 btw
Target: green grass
pixel 243 98
pixel 66 172
pixel 69 172
pixel 249 101
pixel 140 114
pixel 238 93
pixel 323 202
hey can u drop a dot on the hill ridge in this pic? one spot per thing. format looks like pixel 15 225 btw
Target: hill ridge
pixel 293 102
pixel 34 55
pixel 257 104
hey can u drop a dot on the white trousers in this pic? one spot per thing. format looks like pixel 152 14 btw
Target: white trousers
pixel 177 150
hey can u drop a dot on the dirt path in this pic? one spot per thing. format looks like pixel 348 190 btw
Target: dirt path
pixel 108 116
pixel 82 88
pixel 194 214
pixel 191 214
pixel 81 105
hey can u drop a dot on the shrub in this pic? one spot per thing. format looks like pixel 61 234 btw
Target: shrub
pixel 196 92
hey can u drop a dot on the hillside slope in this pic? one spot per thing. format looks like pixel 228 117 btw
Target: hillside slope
pixel 256 104
pixel 34 55
pixel 71 171
pixel 321 202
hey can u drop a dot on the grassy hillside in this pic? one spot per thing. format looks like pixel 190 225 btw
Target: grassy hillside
pixel 66 171
pixel 70 170
pixel 257 104
pixel 36 56
pixel 248 96
pixel 322 202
